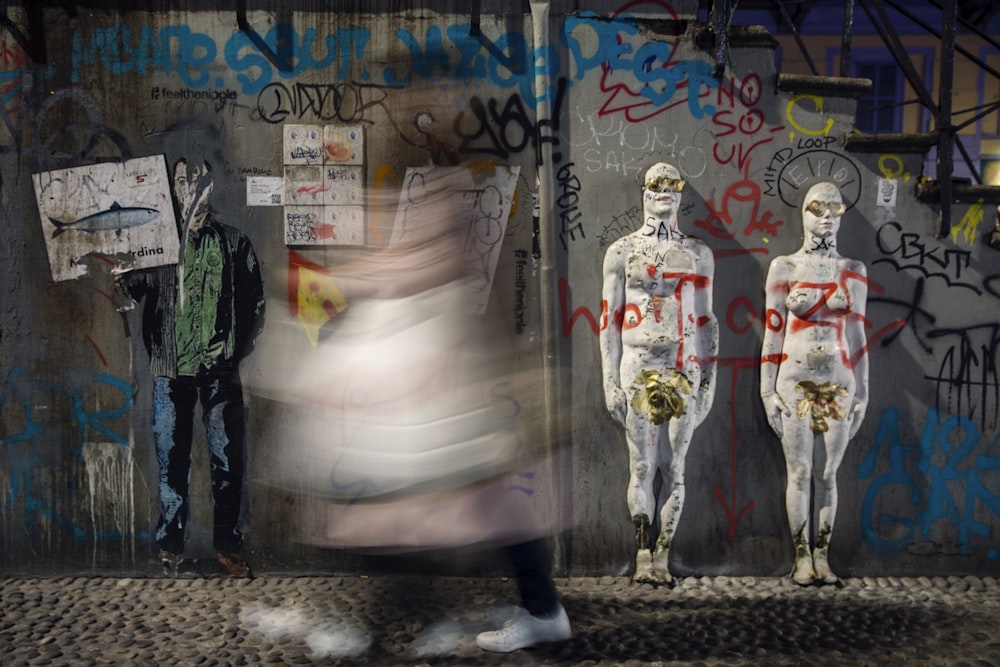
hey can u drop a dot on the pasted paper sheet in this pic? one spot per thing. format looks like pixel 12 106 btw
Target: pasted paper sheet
pixel 120 213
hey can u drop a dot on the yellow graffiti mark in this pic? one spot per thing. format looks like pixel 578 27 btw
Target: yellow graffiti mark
pixel 891 167
pixel 818 103
pixel 487 167
pixel 968 226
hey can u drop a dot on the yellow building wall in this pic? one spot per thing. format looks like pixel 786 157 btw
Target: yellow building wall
pixel 968 76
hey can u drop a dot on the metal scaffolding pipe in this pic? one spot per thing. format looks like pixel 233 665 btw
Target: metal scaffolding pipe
pixel 845 44
pixel 972 28
pixel 946 139
pixel 34 42
pixel 720 19
pixel 547 278
pixel 958 47
pixel 898 51
pixel 797 36
pixel 987 110
pixel 280 59
pixel 475 17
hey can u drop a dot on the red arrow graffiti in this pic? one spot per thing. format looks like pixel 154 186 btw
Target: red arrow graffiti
pixel 734 516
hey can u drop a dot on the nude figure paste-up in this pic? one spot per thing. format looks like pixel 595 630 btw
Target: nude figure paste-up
pixel 814 374
pixel 659 345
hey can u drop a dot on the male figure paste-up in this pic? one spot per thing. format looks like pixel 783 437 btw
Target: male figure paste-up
pixel 200 319
pixel 658 350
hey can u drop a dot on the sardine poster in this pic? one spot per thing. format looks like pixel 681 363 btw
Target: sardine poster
pixel 114 214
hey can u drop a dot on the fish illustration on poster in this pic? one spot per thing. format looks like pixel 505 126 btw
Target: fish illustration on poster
pixel 118 212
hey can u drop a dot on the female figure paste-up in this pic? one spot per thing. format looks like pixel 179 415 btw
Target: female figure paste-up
pixel 814 373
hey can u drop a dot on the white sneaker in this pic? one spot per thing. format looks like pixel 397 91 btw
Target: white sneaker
pixel 525 630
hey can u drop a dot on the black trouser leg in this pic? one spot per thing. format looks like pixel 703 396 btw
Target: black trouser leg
pixel 534 576
pixel 173 426
pixel 224 414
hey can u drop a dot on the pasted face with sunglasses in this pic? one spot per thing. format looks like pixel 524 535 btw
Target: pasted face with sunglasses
pixel 661 191
pixel 821 210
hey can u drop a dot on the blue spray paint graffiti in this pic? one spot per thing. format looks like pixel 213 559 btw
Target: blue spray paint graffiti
pixel 38 478
pixel 946 482
pixel 507 61
pixel 344 46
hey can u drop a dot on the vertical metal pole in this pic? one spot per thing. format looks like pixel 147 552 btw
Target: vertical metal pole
pixel 845 45
pixel 547 282
pixel 946 131
pixel 720 18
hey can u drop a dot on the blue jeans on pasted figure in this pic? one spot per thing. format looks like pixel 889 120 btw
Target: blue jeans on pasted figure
pixel 224 416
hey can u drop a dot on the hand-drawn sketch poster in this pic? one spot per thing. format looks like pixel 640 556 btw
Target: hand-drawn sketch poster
pixel 120 213
pixel 484 196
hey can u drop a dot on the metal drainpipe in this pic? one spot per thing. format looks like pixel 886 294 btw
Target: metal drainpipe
pixel 946 136
pixel 547 282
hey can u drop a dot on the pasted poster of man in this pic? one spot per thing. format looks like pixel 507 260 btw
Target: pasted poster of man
pixel 118 211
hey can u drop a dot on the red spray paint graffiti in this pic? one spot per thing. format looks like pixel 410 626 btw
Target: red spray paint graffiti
pixel 742 193
pixel 741 317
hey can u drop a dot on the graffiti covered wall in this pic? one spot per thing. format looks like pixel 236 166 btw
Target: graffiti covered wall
pixel 314 125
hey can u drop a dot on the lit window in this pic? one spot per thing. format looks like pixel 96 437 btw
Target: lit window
pixel 990 167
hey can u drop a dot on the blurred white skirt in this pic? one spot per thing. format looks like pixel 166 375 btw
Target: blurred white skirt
pixel 401 400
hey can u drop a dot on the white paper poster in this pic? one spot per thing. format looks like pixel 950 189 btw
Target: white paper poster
pixel 265 191
pixel 886 196
pixel 323 191
pixel 484 197
pixel 119 213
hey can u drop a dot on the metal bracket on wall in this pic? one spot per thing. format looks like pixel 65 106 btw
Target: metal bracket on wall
pixel 474 17
pixel 283 58
pixel 475 31
pixel 33 43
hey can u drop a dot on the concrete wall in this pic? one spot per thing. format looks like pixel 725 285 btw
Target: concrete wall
pixel 919 485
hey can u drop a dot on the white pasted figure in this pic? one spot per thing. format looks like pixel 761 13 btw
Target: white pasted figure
pixel 814 373
pixel 659 343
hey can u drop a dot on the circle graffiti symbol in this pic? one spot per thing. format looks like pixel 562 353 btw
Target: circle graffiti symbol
pixel 806 169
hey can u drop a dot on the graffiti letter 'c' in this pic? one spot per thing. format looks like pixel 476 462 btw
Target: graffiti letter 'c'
pixel 818 103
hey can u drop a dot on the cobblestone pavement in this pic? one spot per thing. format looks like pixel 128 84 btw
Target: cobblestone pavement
pixel 432 620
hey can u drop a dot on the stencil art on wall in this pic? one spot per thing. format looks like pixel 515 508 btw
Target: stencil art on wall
pixel 324 185
pixel 118 212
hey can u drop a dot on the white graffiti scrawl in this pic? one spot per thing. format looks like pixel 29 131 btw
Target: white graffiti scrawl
pixel 485 202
